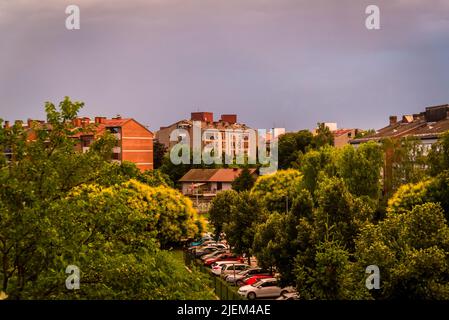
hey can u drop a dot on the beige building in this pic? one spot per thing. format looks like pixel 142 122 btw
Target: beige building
pixel 206 120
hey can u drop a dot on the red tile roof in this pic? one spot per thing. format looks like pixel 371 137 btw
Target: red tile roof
pixel 212 175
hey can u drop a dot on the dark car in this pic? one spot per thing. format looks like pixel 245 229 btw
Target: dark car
pixel 238 278
pixel 204 251
pixel 222 257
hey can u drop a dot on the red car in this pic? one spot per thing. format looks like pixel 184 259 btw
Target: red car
pixel 256 278
pixel 222 257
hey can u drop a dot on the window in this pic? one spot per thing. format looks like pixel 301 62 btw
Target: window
pixel 114 129
pixel 86 141
pixel 116 156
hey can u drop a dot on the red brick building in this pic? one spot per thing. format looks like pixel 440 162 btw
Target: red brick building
pixel 134 141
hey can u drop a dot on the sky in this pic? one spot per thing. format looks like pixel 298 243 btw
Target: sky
pixel 275 63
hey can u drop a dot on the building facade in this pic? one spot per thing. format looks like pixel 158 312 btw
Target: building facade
pixel 202 185
pixel 134 141
pixel 426 126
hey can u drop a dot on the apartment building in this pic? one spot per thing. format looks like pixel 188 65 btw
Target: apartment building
pixel 206 121
pixel 427 126
pixel 134 141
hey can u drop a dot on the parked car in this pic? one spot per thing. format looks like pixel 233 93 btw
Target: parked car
pixel 232 268
pixel 238 278
pixel 223 256
pixel 289 296
pixel 204 251
pixel 213 254
pixel 217 267
pixel 253 279
pixel 201 241
pixel 265 288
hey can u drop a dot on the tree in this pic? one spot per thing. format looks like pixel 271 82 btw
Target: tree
pixel 245 215
pixel 276 191
pixel 291 145
pixel 159 151
pixel 315 163
pixel 220 209
pixel 364 133
pixel 411 251
pixel 277 240
pixel 438 157
pixel 244 182
pixel 57 209
pixel 360 169
pixel 323 136
pixel 339 214
pixel 330 276
pixel 405 162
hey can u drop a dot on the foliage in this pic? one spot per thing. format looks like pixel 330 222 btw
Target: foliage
pixel 244 182
pixel 438 157
pixel 411 250
pixel 57 208
pixel 220 209
pixel 330 276
pixel 360 169
pixel 277 241
pixel 316 162
pixel 245 215
pixel 405 162
pixel 323 136
pixel 291 145
pixel 277 190
pixel 159 151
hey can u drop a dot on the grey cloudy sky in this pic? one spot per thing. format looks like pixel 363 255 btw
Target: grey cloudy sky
pixel 285 63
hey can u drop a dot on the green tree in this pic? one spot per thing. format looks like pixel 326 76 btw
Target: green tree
pixel 277 240
pixel 438 157
pixel 276 191
pixel 330 276
pixel 291 145
pixel 56 210
pixel 244 182
pixel 315 163
pixel 159 151
pixel 323 136
pixel 245 215
pixel 360 169
pixel 411 251
pixel 220 209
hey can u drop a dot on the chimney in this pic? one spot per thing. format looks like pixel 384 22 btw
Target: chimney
pixel 85 121
pixel 77 122
pixel 393 120
pixel 407 118
pixel 202 116
pixel 99 120
pixel 230 118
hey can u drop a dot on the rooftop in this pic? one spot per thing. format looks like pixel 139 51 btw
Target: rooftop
pixel 212 175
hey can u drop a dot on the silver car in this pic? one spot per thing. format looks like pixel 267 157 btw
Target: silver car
pixel 265 288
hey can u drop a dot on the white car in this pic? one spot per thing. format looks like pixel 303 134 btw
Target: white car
pixel 265 288
pixel 216 266
pixel 233 268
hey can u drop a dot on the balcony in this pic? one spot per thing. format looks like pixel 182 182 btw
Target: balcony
pixel 116 150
